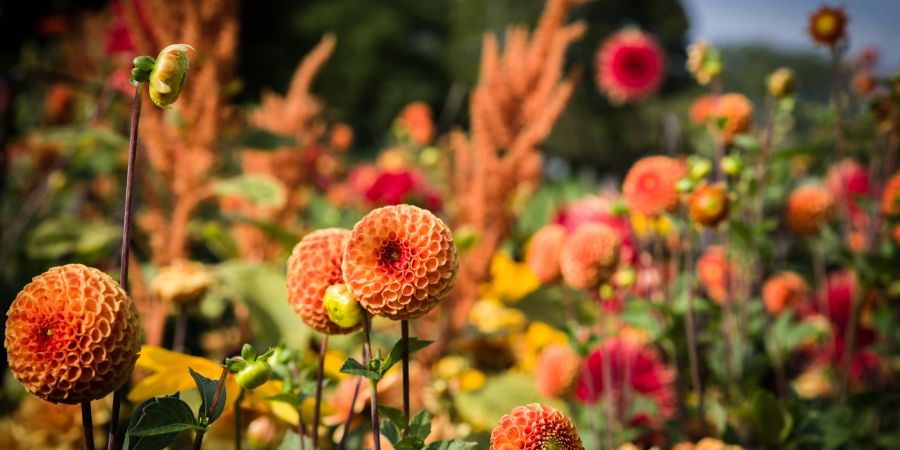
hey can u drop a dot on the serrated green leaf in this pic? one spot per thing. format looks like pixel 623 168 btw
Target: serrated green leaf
pixel 207 389
pixel 353 367
pixel 396 354
pixel 420 426
pixel 390 431
pixel 395 415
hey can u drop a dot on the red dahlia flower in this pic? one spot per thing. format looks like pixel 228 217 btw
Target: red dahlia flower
pixel 630 66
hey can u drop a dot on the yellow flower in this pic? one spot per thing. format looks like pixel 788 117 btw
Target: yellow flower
pixel 170 374
pixel 645 226
pixel 471 380
pixel 510 280
pixel 537 336
pixel 489 317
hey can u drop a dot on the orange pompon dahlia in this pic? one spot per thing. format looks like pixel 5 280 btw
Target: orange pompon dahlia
pixel 535 427
pixel 400 261
pixel 716 273
pixel 808 208
pixel 543 252
pixel 650 186
pixel 556 370
pixel 702 109
pixel 827 25
pixel 590 256
pixel 417 122
pixel 314 265
pixel 890 200
pixel 787 289
pixel 735 113
pixel 631 66
pixel 709 204
pixel 72 335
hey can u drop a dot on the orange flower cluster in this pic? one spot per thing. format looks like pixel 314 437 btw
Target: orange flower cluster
pixel 649 187
pixel 314 265
pixel 590 256
pixel 400 262
pixel 808 208
pixel 786 289
pixel 72 335
pixel 535 427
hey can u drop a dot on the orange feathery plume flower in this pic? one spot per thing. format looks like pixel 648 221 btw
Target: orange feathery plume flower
pixel 649 188
pixel 808 208
pixel 72 335
pixel 827 25
pixel 630 66
pixel 736 113
pixel 543 252
pixel 709 204
pixel 556 370
pixel 400 261
pixel 702 109
pixel 416 119
pixel 890 200
pixel 314 265
pixel 787 289
pixel 715 273
pixel 590 256
pixel 535 427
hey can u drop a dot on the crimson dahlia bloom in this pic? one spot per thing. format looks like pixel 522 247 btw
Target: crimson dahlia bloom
pixel 630 66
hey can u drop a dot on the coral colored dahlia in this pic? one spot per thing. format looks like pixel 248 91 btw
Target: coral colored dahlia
pixel 590 256
pixel 543 252
pixel 787 290
pixel 890 200
pixel 630 66
pixel 808 208
pixel 716 273
pixel 556 370
pixel 400 261
pixel 535 427
pixel 735 111
pixel 649 187
pixel 314 265
pixel 72 335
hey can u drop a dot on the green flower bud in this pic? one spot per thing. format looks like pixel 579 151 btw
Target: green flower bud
pixel 684 185
pixel 342 307
pixel 781 83
pixel 700 168
pixel 169 73
pixel 731 165
pixel 254 374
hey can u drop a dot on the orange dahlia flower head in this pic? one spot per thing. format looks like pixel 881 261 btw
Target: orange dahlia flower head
pixel 890 201
pixel 400 261
pixel 590 256
pixel 828 25
pixel 72 335
pixel 808 208
pixel 314 265
pixel 650 185
pixel 709 204
pixel 734 113
pixel 787 290
pixel 535 427
pixel 556 370
pixel 543 252
pixel 716 273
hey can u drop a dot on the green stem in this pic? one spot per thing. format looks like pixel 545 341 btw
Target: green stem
pixel 373 401
pixel 237 420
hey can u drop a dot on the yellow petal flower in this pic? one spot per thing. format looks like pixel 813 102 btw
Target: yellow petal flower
pixel 510 280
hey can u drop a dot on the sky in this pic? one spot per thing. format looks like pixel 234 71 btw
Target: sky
pixel 782 23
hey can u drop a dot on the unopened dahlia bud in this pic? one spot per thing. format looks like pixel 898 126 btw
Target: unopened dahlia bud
pixel 342 307
pixel 537 427
pixel 254 374
pixel 72 335
pixel 183 283
pixel 709 204
pixel 169 73
pixel 781 83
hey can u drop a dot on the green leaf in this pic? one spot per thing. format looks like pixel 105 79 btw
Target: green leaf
pixel 248 353
pixel 420 426
pixel 390 431
pixel 451 445
pixel 207 389
pixel 157 423
pixel 353 367
pixel 396 355
pixel 291 441
pixel 395 415
pixel 770 418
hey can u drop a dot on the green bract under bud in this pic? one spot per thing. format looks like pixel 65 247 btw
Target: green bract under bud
pixel 169 73
pixel 254 374
pixel 342 307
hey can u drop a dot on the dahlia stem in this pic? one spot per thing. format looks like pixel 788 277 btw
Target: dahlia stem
pixel 126 239
pixel 198 439
pixel 608 405
pixel 217 397
pixel 690 326
pixel 850 340
pixel 237 420
pixel 87 425
pixel 320 377
pixel 343 442
pixel 838 103
pixel 301 427
pixel 404 339
pixel 180 329
pixel 373 401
